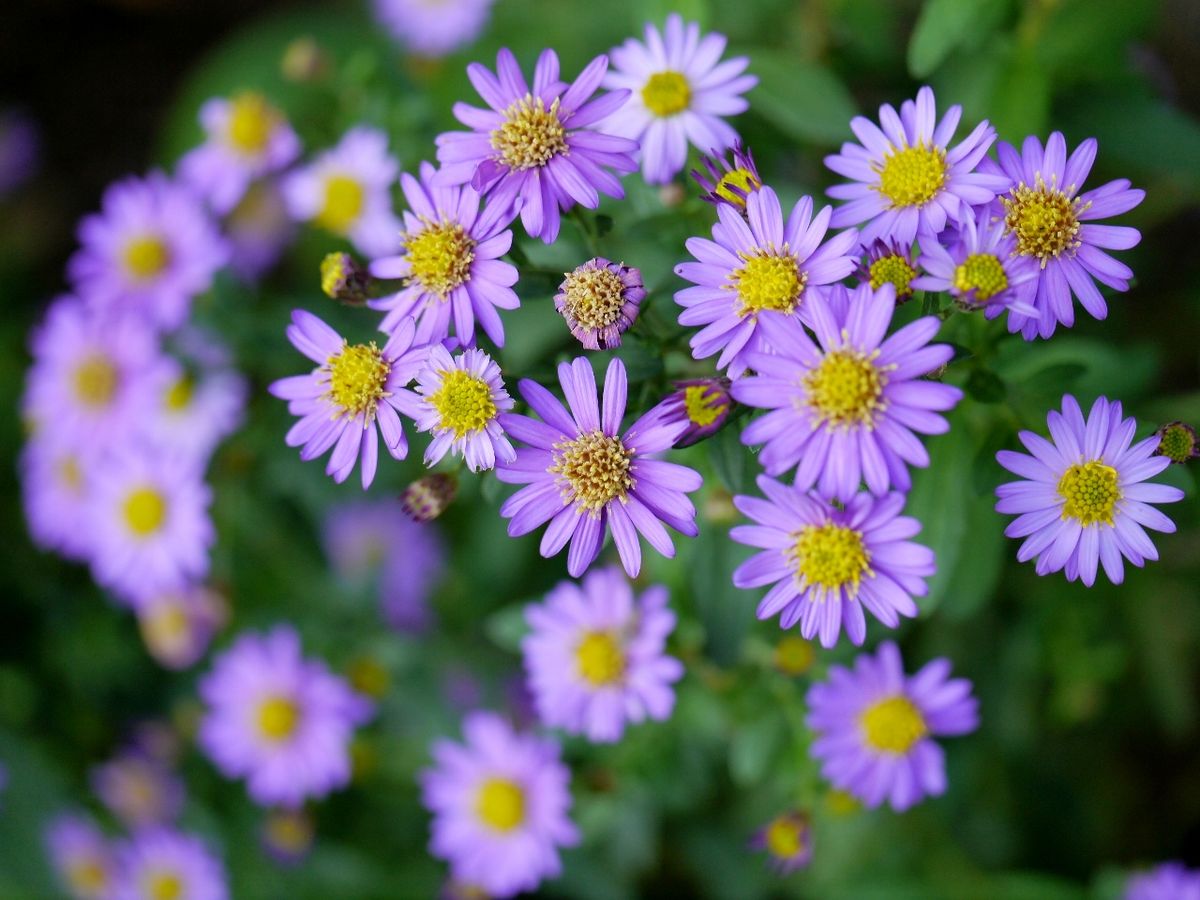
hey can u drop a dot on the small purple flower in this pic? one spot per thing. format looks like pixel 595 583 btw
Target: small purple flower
pixel 500 803
pixel 827 564
pixel 1167 881
pixel 905 177
pixel 433 29
pixel 1084 501
pixel 535 147
pixel 281 721
pixel 55 483
pixel 600 301
pixel 158 863
pixel 595 656
pixel 787 839
pixel 845 408
pixel 194 409
pixel 875 727
pixel 451 263
pixel 177 626
pixel 82 857
pixel 138 789
pixel 350 398
pixel 888 262
pixel 726 182
pixel 148 252
pixel 701 405
pixel 258 230
pixel 755 265
pixel 679 90
pixel 584 476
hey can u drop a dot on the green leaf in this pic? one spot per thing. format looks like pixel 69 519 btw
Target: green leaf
pixel 1020 102
pixel 804 100
pixel 506 627
pixel 733 462
pixel 753 747
pixel 943 25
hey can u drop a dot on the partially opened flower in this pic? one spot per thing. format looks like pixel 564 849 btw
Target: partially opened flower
pixel 1178 442
pixel 787 840
pixel 138 789
pixel 1167 881
pixel 178 625
pixel 433 27
pixel 82 857
pixel 157 863
pixel 599 301
pixel 729 182
pixel 1085 500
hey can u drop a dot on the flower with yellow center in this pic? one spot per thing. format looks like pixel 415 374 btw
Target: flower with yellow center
pixel 594 297
pixel 703 405
pixel 1044 219
pixel 846 389
pixel 892 725
pixel 667 93
pixel 769 280
pixel 500 804
pixel 830 558
pixel 600 659
pixel 593 470
pixel 893 269
pixel 464 403
pixel 1090 492
pixel 531 135
pixel 439 257
pixel 357 378
pixel 745 182
pixel 343 200
pixel 95 380
pixel 145 257
pixel 784 837
pixel 277 718
pixel 88 878
pixel 912 176
pixel 252 121
pixel 145 511
pixel 163 884
pixel 980 276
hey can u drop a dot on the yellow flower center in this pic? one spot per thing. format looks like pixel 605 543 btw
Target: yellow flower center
pixel 531 134
pixel 251 121
pixel 841 804
pixel 344 198
pixel 165 628
pixel 357 377
pixel 278 718
pixel 743 179
pixel 846 389
pixel 95 380
pixel 894 270
pixel 594 297
pixel 500 804
pixel 1044 219
pixel 785 837
pixel 703 404
pixel 893 725
pixel 1177 443
pixel 982 273
pixel 440 257
pixel 768 281
pixel 463 402
pixel 594 470
pixel 335 271
pixel 179 395
pixel 146 257
pixel 912 176
pixel 145 511
pixel 601 659
pixel 69 474
pixel 667 93
pixel 88 877
pixel 163 885
pixel 829 557
pixel 794 655
pixel 1090 493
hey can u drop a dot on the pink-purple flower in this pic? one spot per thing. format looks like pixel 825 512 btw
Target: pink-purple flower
pixel 1167 881
pixel 433 28
pixel 599 301
pixel 162 862
pixel 81 855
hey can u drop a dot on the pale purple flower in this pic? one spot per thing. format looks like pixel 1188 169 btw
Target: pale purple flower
pixel 584 476
pixel 729 182
pixel 157 863
pixel 787 839
pixel 599 301
pixel 258 229
pixel 888 262
pixel 81 855
pixel 138 789
pixel 193 409
pixel 433 28
pixel 178 625
pixel 55 479
pixel 1167 881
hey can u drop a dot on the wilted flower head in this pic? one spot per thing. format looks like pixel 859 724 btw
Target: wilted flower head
pixel 433 27
pixel 599 300
pixel 1178 442
pixel 787 839
pixel 729 182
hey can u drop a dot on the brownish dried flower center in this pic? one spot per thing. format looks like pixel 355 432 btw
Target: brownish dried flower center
pixel 594 297
pixel 531 135
pixel 593 470
pixel 1044 219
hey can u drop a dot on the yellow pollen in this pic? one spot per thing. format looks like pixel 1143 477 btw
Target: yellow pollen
pixel 742 179
pixel 768 281
pixel 357 377
pixel 440 257
pixel 794 655
pixel 278 718
pixel 164 885
pixel 179 395
pixel 145 511
pixel 594 470
pixel 703 408
pixel 785 837
pixel 500 804
pixel 894 270
pixel 146 257
pixel 667 93
pixel 1090 493
pixel 463 402
pixel 982 273
pixel 344 198
pixel 531 134
pixel 594 297
pixel 828 557
pixel 893 725
pixel 335 272
pixel 95 380
pixel 912 176
pixel 88 877
pixel 601 659
pixel 1044 219
pixel 845 390
pixel 251 121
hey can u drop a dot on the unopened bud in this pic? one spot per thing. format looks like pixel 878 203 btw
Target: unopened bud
pixel 1177 441
pixel 427 498
pixel 304 61
pixel 343 279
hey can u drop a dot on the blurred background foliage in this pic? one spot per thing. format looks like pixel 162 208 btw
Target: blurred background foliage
pixel 1085 764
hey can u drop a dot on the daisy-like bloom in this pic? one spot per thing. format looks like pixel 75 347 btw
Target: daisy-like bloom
pixel 433 28
pixel 353 388
pixel 726 182
pixel 500 803
pixel 1084 500
pixel 679 90
pixel 536 146
pixel 460 402
pixel 875 727
pixel 584 476
pixel 148 252
pixel 595 659
pixel 279 720
pixel 161 863
pixel 346 190
pixel 703 404
pixel 828 563
pixel 600 300
pixel 755 265
pixel 889 263
pixel 193 410
pixel 258 229
pixel 177 626
pixel 246 138
pixel 81 856
pixel 451 264
pixel 846 407
pixel 787 839
pixel 906 179
pixel 54 488
pixel 1178 442
pixel 428 497
pixel 138 789
pixel 1055 225
pixel 1168 881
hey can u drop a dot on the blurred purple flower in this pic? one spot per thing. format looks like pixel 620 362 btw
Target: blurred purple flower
pixel 163 863
pixel 433 28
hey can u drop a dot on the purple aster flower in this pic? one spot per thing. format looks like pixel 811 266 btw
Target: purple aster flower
pixel 139 790
pixel 500 803
pixel 701 405
pixel 246 138
pixel 433 28
pixel 55 478
pixel 825 564
pixel 279 720
pixel 600 301
pixel 679 90
pixel 1084 502
pixel 846 408
pixel 81 856
pixel 193 410
pixel 888 262
pixel 595 657
pixel 875 727
pixel 584 476
pixel 787 839
pixel 347 190
pixel 1167 881
pixel 754 265
pixel 353 389
pixel 158 863
pixel 906 179
pixel 19 150
pixel 177 626
pixel 729 182
pixel 1054 224
pixel 258 230
pixel 451 263
pixel 148 252
pixel 535 146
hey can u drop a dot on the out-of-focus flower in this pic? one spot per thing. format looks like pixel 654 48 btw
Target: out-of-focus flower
pixel 81 856
pixel 304 61
pixel 177 626
pixel 158 863
pixel 54 487
pixel 702 403
pixel 729 183
pixel 1167 881
pixel 258 230
pixel 787 840
pixel 599 301
pixel 193 409
pixel 19 146
pixel 890 263
pixel 1178 442
pixel 138 789
pixel 343 279
pixel 427 497
pixel 288 834
pixel 793 655
pixel 433 27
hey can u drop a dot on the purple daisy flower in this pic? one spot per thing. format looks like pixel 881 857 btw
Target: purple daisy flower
pixel 888 262
pixel 500 803
pixel 584 476
pixel 177 626
pixel 679 90
pixel 433 28
pixel 1084 501
pixel 451 263
pixel 827 564
pixel 148 252
pixel 845 408
pixel 1167 881
pixel 1054 225
pixel 534 146
pixel 138 789
pixel 600 301
pixel 55 484
pixel 875 727
pixel 701 405
pixel 787 839
pixel 347 190
pixel 595 659
pixel 754 265
pixel 246 138
pixel 905 177
pixel 160 862
pixel 194 410
pixel 258 230
pixel 353 389
pixel 726 182
pixel 81 856
pixel 281 721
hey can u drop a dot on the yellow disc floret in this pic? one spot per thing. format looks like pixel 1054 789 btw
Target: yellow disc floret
pixel 667 93
pixel 594 297
pixel 357 378
pixel 146 256
pixel 278 718
pixel 742 179
pixel 893 725
pixel 179 394
pixel 343 203
pixel 145 510
pixel 500 804
pixel 95 380
pixel 784 837
pixel 768 281
pixel 830 557
pixel 1090 493
pixel 440 257
pixel 703 404
pixel 1044 219
pixel 251 121
pixel 164 884
pixel 912 176
pixel 600 658
pixel 846 389
pixel 463 402
pixel 593 470
pixel 981 273
pixel 531 134
pixel 895 270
